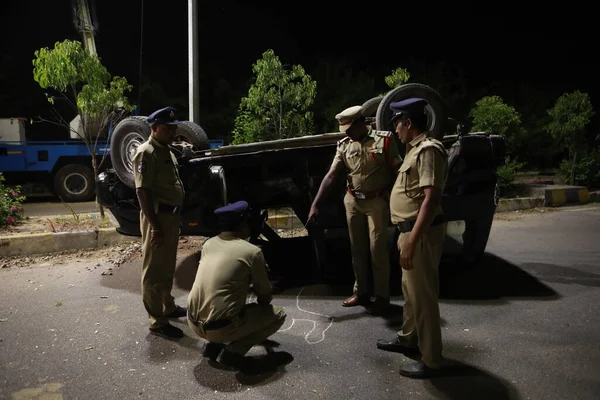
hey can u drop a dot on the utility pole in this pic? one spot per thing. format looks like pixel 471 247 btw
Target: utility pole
pixel 85 26
pixel 193 88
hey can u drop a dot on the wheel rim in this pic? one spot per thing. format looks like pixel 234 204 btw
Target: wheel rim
pixel 181 138
pixel 131 142
pixel 75 183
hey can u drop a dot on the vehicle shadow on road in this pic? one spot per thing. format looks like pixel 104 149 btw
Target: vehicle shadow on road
pixel 462 381
pixel 493 278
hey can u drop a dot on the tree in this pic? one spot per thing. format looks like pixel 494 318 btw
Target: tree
pixel 278 102
pixel 80 80
pixel 398 77
pixel 493 116
pixel 570 115
pixel 333 74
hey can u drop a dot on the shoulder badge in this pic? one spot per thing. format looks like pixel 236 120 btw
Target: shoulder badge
pixel 343 140
pixel 383 133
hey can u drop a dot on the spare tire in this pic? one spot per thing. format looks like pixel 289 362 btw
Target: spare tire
pixel 127 136
pixel 369 107
pixel 435 110
pixel 192 133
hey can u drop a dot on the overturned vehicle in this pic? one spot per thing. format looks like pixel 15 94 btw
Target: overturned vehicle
pixel 288 172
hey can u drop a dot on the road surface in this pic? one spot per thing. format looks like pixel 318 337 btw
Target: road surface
pixel 523 326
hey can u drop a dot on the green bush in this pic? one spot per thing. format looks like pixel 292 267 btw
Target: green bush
pixel 506 174
pixel 587 170
pixel 10 204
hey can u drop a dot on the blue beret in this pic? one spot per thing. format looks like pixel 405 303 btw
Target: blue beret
pixel 234 208
pixel 163 116
pixel 408 107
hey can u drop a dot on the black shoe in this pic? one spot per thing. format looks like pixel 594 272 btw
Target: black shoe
pixel 167 332
pixel 419 370
pixel 179 312
pixel 228 361
pixel 212 350
pixel 396 345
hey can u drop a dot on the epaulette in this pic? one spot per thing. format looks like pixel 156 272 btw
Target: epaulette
pixel 343 140
pixel 383 133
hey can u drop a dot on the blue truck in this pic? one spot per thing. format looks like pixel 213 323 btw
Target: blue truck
pixel 42 168
pixel 58 168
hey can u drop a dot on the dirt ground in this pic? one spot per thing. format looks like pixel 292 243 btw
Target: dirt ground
pixel 57 223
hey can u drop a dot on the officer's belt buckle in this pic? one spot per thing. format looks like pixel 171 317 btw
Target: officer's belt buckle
pixel 176 210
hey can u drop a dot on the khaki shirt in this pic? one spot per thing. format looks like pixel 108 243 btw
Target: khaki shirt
pixel 370 163
pixel 425 164
pixel 227 267
pixel 155 167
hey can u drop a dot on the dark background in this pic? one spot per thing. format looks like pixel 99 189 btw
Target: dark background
pixel 529 57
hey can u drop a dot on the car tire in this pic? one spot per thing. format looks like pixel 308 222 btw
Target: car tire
pixel 435 110
pixel 127 136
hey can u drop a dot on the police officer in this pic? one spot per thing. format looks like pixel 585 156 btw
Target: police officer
pixel 415 208
pixel 370 160
pixel 160 194
pixel 217 309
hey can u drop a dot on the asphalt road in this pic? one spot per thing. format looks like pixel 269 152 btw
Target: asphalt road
pixel 523 326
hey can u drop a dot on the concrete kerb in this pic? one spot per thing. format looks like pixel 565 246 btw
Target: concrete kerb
pixel 42 243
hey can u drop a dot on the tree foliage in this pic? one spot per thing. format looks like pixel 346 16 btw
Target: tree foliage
pixel 78 78
pixel 278 102
pixel 493 116
pixel 570 115
pixel 398 77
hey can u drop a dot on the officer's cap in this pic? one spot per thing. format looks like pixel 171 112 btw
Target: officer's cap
pixel 348 116
pixel 409 107
pixel 236 208
pixel 163 116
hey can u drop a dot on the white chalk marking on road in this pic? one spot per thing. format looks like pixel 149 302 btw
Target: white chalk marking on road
pixel 314 323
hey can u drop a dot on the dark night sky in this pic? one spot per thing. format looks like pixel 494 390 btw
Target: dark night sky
pixel 551 48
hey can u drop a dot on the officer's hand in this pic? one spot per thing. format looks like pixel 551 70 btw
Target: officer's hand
pixel 157 238
pixel 264 300
pixel 406 256
pixel 312 216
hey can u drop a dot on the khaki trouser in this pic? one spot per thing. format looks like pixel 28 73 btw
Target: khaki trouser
pixel 257 324
pixel 159 267
pixel 420 287
pixel 367 226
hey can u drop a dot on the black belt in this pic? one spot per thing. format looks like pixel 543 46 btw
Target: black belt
pixel 210 325
pixel 366 195
pixel 407 226
pixel 169 208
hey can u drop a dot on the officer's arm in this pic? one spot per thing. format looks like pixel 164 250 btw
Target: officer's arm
pixel 260 279
pixel 144 176
pixel 394 156
pixel 431 168
pixel 337 167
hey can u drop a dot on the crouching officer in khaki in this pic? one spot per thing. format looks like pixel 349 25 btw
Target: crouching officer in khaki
pixel 160 194
pixel 415 207
pixel 370 160
pixel 217 309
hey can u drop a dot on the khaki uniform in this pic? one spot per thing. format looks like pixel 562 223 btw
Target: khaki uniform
pixel 425 164
pixel 155 168
pixel 370 166
pixel 227 267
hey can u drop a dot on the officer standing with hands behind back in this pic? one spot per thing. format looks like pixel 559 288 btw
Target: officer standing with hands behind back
pixel 415 207
pixel 160 193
